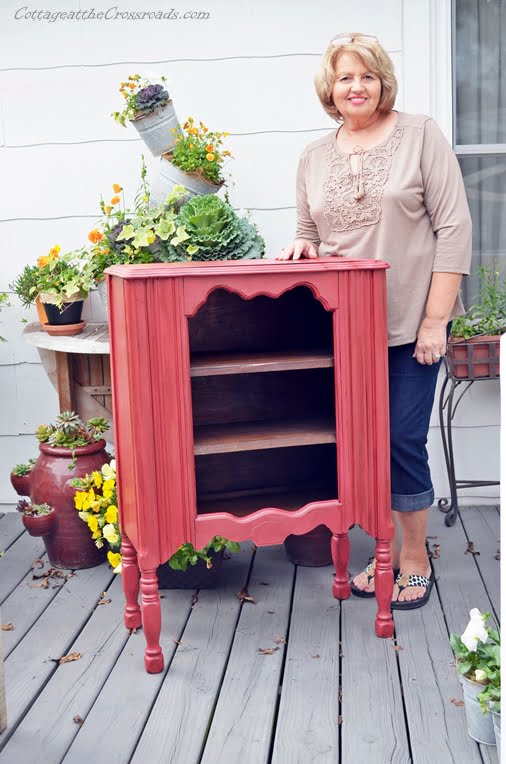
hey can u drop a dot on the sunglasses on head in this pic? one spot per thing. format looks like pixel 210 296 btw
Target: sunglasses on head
pixel 346 39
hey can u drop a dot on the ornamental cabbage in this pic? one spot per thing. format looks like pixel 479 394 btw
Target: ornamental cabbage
pixel 150 97
pixel 213 232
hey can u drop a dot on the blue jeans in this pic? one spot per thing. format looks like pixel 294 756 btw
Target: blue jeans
pixel 412 390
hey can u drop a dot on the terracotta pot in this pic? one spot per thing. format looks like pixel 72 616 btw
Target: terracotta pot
pixel 21 484
pixel 40 525
pixel 41 313
pixel 474 358
pixel 70 545
pixel 312 550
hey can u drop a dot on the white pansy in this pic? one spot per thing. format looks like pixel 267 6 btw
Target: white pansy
pixel 480 675
pixel 475 631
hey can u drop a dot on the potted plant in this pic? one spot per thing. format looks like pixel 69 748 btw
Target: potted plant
pixel 38 519
pixel 195 162
pixel 478 656
pixel 212 230
pixel 96 502
pixel 25 287
pixel 474 344
pixel 68 448
pixel 20 477
pixel 150 110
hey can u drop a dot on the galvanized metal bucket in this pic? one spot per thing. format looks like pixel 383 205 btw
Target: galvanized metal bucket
pixel 159 129
pixel 496 718
pixel 479 725
pixel 169 176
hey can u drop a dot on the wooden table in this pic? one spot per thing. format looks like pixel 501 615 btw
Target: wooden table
pixel 78 367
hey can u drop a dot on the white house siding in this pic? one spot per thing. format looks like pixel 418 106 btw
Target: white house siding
pixel 247 69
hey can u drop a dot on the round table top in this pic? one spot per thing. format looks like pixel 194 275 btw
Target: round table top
pixel 93 339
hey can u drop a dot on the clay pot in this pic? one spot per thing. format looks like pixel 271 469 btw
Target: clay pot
pixel 21 484
pixel 70 544
pixel 40 525
pixel 311 549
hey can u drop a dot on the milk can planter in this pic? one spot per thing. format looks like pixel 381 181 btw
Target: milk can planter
pixel 159 128
pixel 169 176
pixel 480 726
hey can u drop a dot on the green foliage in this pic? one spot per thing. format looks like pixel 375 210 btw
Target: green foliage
pixel 213 232
pixel 65 278
pixel 486 660
pixel 488 315
pixel 188 555
pixel 19 470
pixel 25 285
pixel 199 151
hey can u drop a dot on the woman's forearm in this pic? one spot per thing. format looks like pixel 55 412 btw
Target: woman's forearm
pixel 443 292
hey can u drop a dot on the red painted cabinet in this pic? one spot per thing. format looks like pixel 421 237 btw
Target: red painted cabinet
pixel 250 401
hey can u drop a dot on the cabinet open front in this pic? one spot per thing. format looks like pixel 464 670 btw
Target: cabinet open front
pixel 263 402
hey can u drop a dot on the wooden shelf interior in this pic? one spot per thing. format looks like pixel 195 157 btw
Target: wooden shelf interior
pixel 244 482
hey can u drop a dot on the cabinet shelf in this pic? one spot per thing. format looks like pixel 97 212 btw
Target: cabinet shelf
pixel 213 364
pixel 244 505
pixel 253 436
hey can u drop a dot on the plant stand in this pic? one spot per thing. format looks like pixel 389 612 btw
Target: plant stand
pixel 256 394
pixel 447 408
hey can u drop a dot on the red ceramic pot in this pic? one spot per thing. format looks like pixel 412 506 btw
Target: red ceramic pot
pixel 70 544
pixel 40 525
pixel 21 484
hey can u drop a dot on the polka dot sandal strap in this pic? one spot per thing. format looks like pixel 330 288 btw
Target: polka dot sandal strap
pixel 407 580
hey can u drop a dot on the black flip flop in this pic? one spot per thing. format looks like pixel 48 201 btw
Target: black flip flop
pixel 369 571
pixel 404 581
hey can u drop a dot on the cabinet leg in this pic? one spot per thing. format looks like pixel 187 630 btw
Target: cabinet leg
pixel 340 546
pixel 151 621
pixel 130 575
pixel 384 586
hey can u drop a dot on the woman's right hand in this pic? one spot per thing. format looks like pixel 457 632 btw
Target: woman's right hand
pixel 297 249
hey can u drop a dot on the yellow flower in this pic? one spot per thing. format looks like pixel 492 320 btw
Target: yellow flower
pixel 117 189
pixel 210 157
pixel 54 252
pixel 107 209
pixel 92 523
pixel 95 236
pixel 109 533
pixel 115 200
pixel 225 134
pixel 210 147
pixel 42 261
pixel 111 514
pixel 114 558
pixel 108 484
pixel 79 499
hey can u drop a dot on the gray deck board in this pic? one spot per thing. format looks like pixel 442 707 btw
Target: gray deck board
pixel 11 528
pixel 48 728
pixel 29 666
pixel 17 561
pixel 196 671
pixel 482 527
pixel 307 728
pixel 242 723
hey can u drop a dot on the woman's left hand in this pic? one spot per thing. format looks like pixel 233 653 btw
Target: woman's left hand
pixel 430 342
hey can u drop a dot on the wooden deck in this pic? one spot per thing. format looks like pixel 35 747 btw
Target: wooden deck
pixel 326 690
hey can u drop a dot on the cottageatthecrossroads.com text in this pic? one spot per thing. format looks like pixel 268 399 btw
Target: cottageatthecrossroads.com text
pixel 111 14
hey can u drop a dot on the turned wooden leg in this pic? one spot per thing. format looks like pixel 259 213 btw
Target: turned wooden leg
pixel 340 547
pixel 384 586
pixel 130 575
pixel 151 621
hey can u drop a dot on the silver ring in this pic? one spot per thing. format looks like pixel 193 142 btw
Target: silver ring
pixel 436 356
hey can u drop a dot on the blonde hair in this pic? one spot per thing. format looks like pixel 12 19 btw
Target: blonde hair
pixel 374 57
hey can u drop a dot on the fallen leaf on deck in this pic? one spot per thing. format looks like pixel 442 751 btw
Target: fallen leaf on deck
pixel 436 551
pixel 263 583
pixel 341 654
pixel 132 631
pixel 339 719
pixel 245 596
pixel 195 599
pixel 315 656
pixel 177 641
pixel 432 537
pixel 78 719
pixel 270 612
pixel 69 658
pixel 37 564
pixel 2 553
pixel 457 702
pixel 7 627
pixel 42 585
pixel 498 555
pixel 267 650
pixel 280 640
pixel 470 548
pixel 397 647
pixel 103 602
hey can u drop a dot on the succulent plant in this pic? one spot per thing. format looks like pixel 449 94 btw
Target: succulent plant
pixel 23 469
pixel 69 431
pixel 26 508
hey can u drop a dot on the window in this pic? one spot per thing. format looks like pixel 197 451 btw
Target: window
pixel 479 57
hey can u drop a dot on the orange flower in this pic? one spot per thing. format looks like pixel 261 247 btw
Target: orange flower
pixel 210 157
pixel 227 154
pixel 132 85
pixel 115 200
pixel 42 261
pixel 54 252
pixel 107 209
pixel 117 189
pixel 95 236
pixel 210 147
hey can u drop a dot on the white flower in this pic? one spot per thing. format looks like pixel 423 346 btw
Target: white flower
pixel 480 675
pixel 475 631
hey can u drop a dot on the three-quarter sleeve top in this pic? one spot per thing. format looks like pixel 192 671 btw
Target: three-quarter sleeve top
pixel 406 204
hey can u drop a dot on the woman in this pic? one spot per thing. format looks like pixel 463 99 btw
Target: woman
pixel 387 185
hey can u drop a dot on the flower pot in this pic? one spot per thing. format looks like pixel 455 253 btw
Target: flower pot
pixel 156 128
pixel 496 719
pixel 69 313
pixel 312 550
pixel 474 358
pixel 196 576
pixel 70 544
pixel 102 293
pixel 41 313
pixel 480 726
pixel 21 484
pixel 169 176
pixel 40 525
